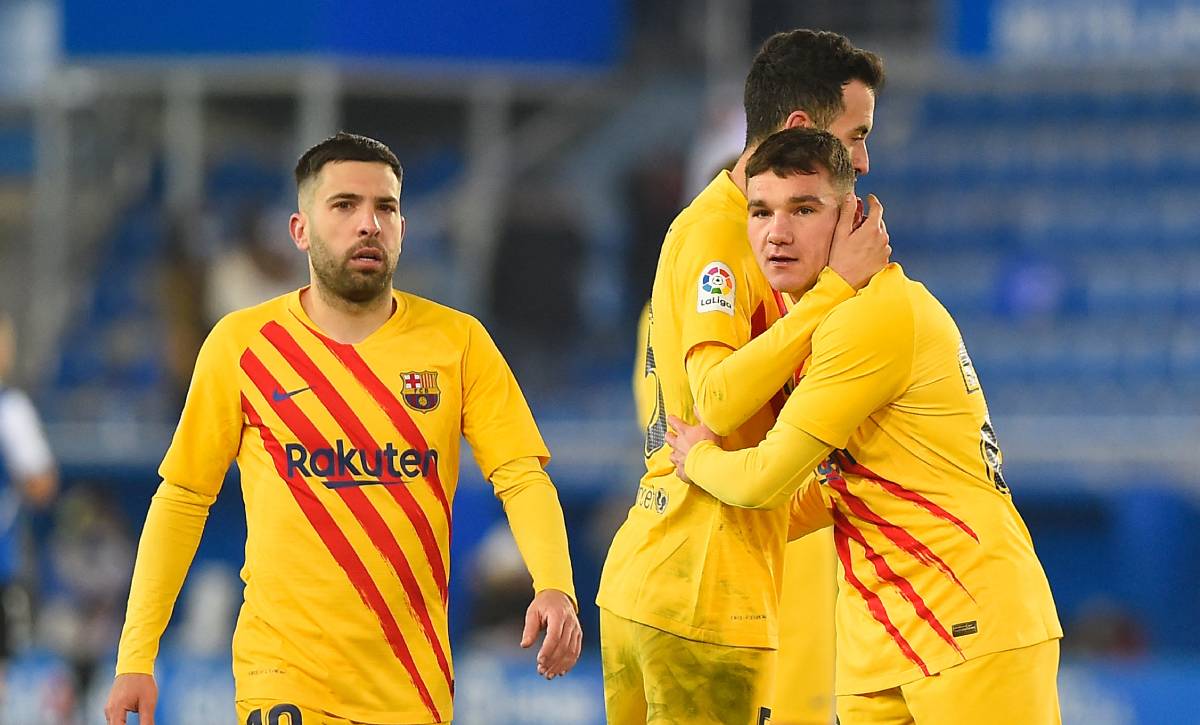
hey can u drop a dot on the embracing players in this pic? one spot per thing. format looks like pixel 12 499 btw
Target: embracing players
pixel 944 614
pixel 690 592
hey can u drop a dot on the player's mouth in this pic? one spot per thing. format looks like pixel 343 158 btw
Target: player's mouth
pixel 780 260
pixel 367 259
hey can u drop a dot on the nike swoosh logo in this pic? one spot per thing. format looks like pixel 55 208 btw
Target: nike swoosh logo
pixel 279 396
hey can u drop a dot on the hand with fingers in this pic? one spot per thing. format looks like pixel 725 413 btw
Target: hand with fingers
pixel 554 612
pixel 131 692
pixel 681 437
pixel 861 247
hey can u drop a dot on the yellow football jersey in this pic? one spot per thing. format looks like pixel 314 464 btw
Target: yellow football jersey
pixel 682 561
pixel 937 565
pixel 349 458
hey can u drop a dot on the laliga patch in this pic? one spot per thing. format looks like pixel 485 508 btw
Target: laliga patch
pixel 421 390
pixel 715 289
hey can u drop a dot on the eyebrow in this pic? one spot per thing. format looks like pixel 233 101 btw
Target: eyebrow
pixel 349 196
pixel 802 199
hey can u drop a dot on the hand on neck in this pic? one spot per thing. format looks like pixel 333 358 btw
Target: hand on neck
pixel 344 320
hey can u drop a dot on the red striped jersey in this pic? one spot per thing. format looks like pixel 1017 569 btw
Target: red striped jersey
pixel 937 564
pixel 349 458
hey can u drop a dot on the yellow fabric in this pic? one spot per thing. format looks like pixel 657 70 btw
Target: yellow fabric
pixel 938 566
pixel 804 681
pixel 259 712
pixel 1002 688
pixel 349 458
pixel 535 516
pixel 682 561
pixel 763 477
pixel 657 678
pixel 728 389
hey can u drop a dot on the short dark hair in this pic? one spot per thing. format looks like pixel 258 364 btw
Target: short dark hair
pixel 804 70
pixel 803 151
pixel 344 146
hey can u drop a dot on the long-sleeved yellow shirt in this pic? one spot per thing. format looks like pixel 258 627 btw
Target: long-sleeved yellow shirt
pixel 683 561
pixel 349 458
pixel 937 565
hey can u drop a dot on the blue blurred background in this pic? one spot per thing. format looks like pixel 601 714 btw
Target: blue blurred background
pixel 1040 165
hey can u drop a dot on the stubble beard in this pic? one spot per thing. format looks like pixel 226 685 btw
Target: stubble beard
pixel 337 283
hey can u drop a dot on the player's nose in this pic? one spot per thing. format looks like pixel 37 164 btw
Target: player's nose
pixel 779 232
pixel 861 161
pixel 368 224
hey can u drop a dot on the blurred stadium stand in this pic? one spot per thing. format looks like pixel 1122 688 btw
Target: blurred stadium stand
pixel 1049 204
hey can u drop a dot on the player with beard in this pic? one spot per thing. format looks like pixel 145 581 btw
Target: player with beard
pixel 343 404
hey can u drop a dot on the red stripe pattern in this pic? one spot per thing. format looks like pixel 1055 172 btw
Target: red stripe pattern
pixel 854 468
pixel 390 405
pixel 874 603
pixel 895 533
pixel 885 573
pixel 335 541
pixel 361 439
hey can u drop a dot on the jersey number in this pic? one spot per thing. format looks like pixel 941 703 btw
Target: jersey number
pixel 656 430
pixel 275 715
pixel 993 461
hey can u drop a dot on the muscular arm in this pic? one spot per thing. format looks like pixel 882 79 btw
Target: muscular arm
pixel 531 503
pixel 729 386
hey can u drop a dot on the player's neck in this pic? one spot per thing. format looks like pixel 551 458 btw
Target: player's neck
pixel 345 321
pixel 738 173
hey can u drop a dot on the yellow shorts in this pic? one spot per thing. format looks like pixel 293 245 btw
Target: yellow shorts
pixel 804 681
pixel 657 678
pixel 273 712
pixel 1014 686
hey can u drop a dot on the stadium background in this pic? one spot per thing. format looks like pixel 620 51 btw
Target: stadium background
pixel 1040 164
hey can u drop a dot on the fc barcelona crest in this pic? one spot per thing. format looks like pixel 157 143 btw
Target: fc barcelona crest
pixel 421 391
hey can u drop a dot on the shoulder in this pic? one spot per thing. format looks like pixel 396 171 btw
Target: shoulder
pixel 240 324
pixel 708 231
pixel 880 314
pixel 235 332
pixel 423 310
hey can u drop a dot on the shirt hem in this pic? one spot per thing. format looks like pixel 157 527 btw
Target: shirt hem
pixel 899 679
pixel 692 632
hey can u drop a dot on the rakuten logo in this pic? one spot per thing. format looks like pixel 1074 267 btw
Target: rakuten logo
pixel 343 465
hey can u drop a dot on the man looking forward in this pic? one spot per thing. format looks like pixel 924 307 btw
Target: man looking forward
pixel 344 403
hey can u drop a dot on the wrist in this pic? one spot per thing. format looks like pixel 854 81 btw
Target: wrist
pixel 840 281
pixel 690 462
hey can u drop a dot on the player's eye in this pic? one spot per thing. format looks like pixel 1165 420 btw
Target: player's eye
pixel 343 204
pixel 805 210
pixel 760 214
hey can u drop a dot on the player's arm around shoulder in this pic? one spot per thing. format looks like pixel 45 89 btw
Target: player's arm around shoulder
pixel 862 359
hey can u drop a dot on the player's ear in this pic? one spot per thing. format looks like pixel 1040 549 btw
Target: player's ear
pixel 403 231
pixel 798 118
pixel 298 227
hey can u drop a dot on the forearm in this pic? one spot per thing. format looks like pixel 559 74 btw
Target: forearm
pixel 172 532
pixel 808 511
pixel 531 503
pixel 730 386
pixel 763 477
